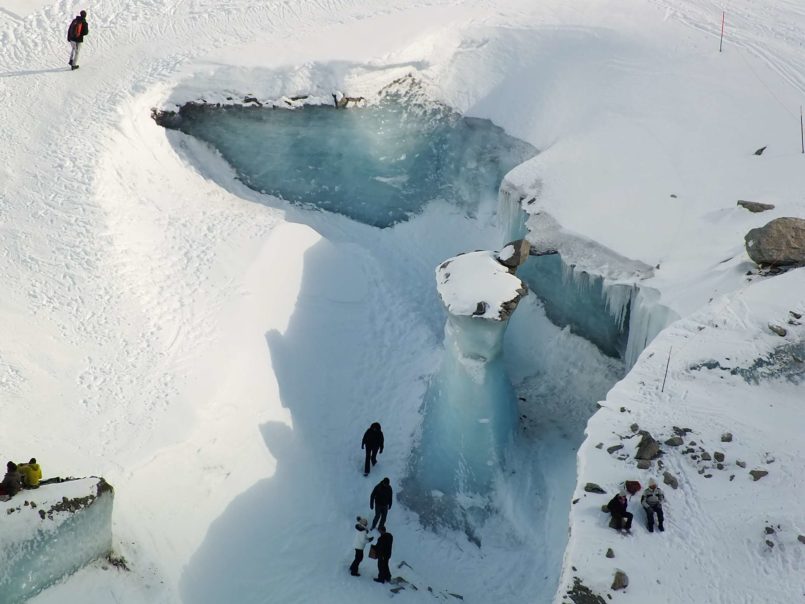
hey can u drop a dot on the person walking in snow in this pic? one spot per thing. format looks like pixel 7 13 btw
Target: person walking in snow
pixel 652 500
pixel 621 519
pixel 362 537
pixel 373 444
pixel 383 549
pixel 380 501
pixel 12 482
pixel 75 36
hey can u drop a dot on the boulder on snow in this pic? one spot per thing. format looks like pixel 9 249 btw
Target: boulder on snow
pixel 726 437
pixel 621 580
pixel 719 456
pixel 675 441
pixel 591 487
pixel 670 480
pixel 610 553
pixel 514 253
pixel 755 206
pixel 780 331
pixel 643 464
pixel 801 539
pixel 614 448
pixel 581 594
pixel 781 242
pixel 758 474
pixel 648 447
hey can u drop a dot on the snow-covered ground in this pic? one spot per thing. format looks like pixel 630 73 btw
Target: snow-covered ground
pixel 217 359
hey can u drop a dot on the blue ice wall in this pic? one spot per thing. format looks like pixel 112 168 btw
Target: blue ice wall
pixel 378 164
pixel 50 549
pixel 580 301
pixel 470 412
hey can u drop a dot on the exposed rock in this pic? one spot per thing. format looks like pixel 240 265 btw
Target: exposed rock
pixel 720 466
pixel 706 456
pixel 769 530
pixel 614 448
pixel 514 253
pixel 758 474
pixel 781 242
pixel 599 446
pixel 681 431
pixel 621 581
pixel 726 437
pixel 670 480
pixel 643 464
pixel 675 441
pixel 610 553
pixel 648 447
pixel 755 206
pixel 718 455
pixel 769 543
pixel 796 315
pixel 634 427
pixel 760 151
pixel 581 594
pixel 801 539
pixel 780 331
pixel 591 487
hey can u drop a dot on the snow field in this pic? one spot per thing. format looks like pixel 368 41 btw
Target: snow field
pixel 164 330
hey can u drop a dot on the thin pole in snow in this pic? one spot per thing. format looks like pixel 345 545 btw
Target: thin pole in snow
pixel 801 130
pixel 666 369
pixel 721 42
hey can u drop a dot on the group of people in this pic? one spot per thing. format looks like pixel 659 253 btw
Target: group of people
pixel 18 477
pixel 651 500
pixel 380 501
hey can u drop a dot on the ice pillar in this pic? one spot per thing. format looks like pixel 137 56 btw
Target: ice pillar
pixel 470 406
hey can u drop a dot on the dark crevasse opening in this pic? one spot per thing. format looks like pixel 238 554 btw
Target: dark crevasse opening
pixel 378 164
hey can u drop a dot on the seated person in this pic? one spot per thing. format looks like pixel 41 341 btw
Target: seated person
pixel 31 474
pixel 12 482
pixel 621 519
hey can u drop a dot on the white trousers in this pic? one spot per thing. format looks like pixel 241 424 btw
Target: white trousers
pixel 76 48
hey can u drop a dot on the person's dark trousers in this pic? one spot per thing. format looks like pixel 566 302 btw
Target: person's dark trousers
pixel 650 511
pixel 623 520
pixel 356 562
pixel 383 572
pixel 371 455
pixel 380 514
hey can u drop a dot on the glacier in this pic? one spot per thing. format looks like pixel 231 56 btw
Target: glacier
pixel 378 164
pixel 51 532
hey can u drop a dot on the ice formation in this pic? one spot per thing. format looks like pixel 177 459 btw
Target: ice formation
pixel 51 532
pixel 378 164
pixel 470 406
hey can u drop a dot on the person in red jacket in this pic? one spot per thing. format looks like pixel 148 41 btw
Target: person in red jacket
pixel 75 36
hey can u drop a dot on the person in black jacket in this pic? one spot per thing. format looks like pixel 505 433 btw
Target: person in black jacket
pixel 12 482
pixel 383 549
pixel 75 36
pixel 380 502
pixel 373 443
pixel 617 507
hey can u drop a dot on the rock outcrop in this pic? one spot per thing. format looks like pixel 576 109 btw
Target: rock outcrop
pixel 781 242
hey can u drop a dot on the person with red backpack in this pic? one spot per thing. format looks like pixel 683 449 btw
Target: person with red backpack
pixel 75 36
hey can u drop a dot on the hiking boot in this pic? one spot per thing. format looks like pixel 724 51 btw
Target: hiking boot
pixel 366 473
pixel 355 574
pixel 661 527
pixel 73 67
pixel 378 580
pixel 651 529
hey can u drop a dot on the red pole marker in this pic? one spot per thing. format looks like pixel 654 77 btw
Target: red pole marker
pixel 721 43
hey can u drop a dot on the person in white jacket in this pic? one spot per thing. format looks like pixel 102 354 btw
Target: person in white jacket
pixel 362 537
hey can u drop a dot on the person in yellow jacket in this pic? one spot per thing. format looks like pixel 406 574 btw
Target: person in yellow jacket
pixel 31 473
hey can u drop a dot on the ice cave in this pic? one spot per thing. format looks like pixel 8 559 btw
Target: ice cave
pixel 503 414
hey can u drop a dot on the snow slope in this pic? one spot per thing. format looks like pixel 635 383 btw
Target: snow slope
pixel 217 360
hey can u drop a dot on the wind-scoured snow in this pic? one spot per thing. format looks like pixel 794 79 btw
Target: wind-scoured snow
pixel 217 360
